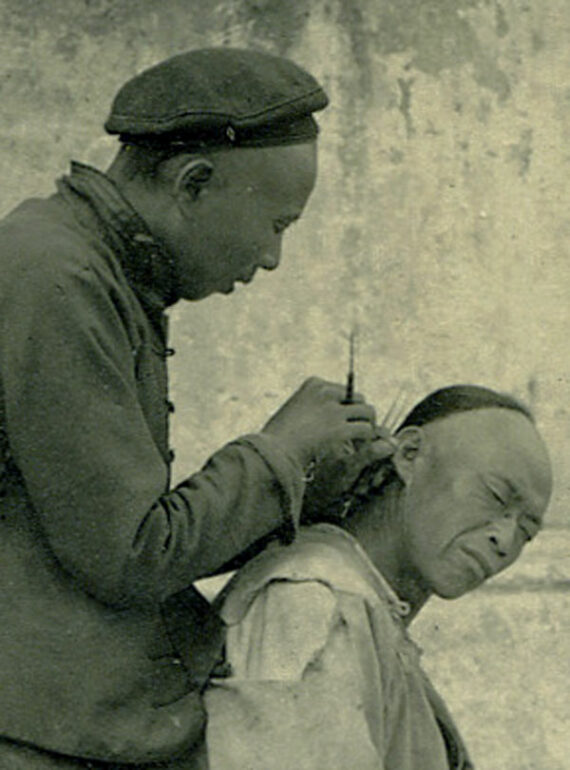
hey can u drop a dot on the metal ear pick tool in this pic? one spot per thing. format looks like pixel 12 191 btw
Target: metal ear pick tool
pixel 397 408
pixel 374 474
pixel 349 394
pixel 395 414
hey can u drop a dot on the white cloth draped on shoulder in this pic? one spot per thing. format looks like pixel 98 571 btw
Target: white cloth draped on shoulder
pixel 324 676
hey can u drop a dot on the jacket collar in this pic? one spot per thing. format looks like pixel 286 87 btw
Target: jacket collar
pixel 147 266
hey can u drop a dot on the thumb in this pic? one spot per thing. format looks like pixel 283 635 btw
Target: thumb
pixel 382 448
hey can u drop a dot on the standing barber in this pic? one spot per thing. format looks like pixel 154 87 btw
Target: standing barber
pixel 105 645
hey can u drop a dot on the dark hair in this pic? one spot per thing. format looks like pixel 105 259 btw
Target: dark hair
pixel 461 398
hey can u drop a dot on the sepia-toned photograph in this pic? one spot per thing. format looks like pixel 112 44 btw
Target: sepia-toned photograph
pixel 284 385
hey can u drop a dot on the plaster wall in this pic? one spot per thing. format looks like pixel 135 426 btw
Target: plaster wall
pixel 439 223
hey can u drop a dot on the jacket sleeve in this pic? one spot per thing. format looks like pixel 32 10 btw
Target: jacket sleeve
pixel 298 691
pixel 90 466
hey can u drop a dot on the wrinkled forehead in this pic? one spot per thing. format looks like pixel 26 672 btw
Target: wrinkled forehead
pixel 496 441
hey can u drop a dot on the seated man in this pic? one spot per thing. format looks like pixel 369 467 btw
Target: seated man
pixel 323 673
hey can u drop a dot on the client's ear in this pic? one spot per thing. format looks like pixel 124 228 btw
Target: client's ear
pixel 410 444
pixel 193 177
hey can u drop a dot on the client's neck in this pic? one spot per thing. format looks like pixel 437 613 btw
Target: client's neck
pixel 376 526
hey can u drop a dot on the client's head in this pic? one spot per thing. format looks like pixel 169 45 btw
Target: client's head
pixel 465 489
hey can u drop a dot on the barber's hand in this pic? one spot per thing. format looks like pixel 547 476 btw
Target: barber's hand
pixel 315 419
pixel 345 470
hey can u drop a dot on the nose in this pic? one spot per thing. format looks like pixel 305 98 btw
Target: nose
pixel 269 258
pixel 502 537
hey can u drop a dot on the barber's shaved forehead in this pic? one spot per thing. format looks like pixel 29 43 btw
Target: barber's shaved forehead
pixel 294 165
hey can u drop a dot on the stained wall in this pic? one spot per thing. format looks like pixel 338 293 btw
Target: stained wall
pixel 440 224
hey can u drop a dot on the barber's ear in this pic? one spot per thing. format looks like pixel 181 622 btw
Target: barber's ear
pixel 193 177
pixel 410 444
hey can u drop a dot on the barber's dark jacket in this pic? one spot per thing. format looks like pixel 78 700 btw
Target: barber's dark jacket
pixel 104 644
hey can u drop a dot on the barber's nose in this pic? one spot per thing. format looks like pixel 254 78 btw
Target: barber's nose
pixel 502 537
pixel 270 258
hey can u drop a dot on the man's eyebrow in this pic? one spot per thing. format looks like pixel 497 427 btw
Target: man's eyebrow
pixel 513 488
pixel 516 493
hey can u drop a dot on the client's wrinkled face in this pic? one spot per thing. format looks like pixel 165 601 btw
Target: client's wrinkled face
pixel 478 488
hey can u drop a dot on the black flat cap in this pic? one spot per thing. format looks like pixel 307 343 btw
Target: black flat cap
pixel 218 97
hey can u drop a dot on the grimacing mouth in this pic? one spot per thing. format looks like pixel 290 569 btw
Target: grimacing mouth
pixel 488 570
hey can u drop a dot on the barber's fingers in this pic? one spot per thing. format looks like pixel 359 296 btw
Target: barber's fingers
pixel 360 430
pixel 360 412
pixel 356 398
pixel 316 417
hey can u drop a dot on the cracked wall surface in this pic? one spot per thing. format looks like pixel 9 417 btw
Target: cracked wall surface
pixel 440 223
